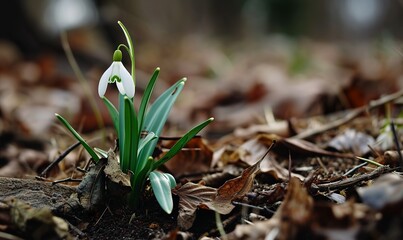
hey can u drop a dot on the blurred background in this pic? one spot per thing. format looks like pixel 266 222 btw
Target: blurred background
pixel 243 58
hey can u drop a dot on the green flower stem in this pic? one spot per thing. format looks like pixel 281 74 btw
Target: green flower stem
pixel 131 49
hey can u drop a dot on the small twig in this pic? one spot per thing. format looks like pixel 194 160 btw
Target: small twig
pixel 350 116
pixel 370 161
pixel 69 179
pixel 99 219
pixel 263 209
pixel 355 168
pixel 220 226
pixel 396 138
pixel 59 159
pixel 322 165
pixel 75 229
pixel 247 205
pixel 83 82
pixel 289 165
pixel 354 180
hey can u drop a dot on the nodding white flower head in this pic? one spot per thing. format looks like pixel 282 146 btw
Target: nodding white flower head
pixel 117 73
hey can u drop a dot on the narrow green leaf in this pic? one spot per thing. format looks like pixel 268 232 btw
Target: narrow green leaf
pixel 144 141
pixel 121 134
pixel 113 113
pixel 138 181
pixel 161 185
pixel 146 97
pixel 172 182
pixel 131 136
pixel 159 110
pixel 181 143
pixel 78 137
pixel 158 115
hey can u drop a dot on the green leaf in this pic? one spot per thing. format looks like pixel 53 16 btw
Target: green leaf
pixel 181 143
pixel 158 115
pixel 161 184
pixel 121 132
pixel 146 97
pixel 78 137
pixel 159 110
pixel 144 141
pixel 131 136
pixel 113 113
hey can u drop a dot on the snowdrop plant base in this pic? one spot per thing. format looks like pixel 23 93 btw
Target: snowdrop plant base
pixel 138 130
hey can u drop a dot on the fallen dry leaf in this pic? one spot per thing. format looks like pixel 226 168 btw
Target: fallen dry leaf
pixel 302 147
pixel 235 188
pixel 191 196
pixel 352 141
pixel 113 171
pixel 250 151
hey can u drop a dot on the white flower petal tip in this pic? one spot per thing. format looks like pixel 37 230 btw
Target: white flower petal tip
pixel 127 81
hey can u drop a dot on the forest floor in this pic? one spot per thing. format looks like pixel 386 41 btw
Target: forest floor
pixel 306 144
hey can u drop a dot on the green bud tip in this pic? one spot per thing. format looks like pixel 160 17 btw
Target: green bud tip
pixel 117 56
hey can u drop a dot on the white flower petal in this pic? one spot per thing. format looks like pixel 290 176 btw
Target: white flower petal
pixel 103 82
pixel 120 87
pixel 127 81
pixel 115 68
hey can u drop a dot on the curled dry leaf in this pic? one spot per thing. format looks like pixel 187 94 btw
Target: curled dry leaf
pixel 252 149
pixel 191 196
pixel 235 188
pixel 113 171
pixel 118 182
pixel 302 147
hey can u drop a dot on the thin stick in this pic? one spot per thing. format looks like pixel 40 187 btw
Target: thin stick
pixel 354 180
pixel 350 116
pixel 84 83
pixel 395 137
pixel 58 159
pixel 69 179
pixel 220 226
pixel 99 219
pixel 355 168
pixel 75 229
pixel 289 165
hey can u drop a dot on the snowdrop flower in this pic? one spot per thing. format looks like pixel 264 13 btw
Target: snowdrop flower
pixel 117 73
